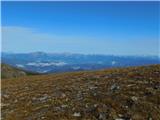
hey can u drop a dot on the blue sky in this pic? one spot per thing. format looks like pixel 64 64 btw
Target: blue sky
pixel 119 28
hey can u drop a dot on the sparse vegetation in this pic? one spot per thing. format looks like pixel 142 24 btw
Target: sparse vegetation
pixel 8 71
pixel 114 94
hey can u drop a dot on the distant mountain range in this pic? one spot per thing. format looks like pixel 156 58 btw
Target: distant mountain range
pixel 54 62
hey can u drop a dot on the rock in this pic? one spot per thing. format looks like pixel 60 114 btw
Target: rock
pixel 102 116
pixel 63 95
pixel 134 98
pixel 91 109
pixel 119 119
pixel 77 114
pixel 4 105
pixel 6 96
pixel 114 87
pixel 64 106
pixel 95 105
pixel 156 86
pixel 27 88
pixel 94 94
pixel 120 115
pixel 34 98
pixel 130 85
pixel 126 107
pixel 15 101
pixel 92 87
pixel 125 117
pixel 57 109
pixel 103 111
pixel 44 98
pixel 42 107
pixel 58 94
pixel 42 117
pixel 106 76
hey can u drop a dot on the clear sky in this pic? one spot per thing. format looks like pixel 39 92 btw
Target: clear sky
pixel 119 28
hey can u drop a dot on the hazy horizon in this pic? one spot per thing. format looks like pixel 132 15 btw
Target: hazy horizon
pixel 72 53
pixel 107 28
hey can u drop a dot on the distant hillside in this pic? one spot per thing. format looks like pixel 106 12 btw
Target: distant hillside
pixel 116 94
pixel 8 71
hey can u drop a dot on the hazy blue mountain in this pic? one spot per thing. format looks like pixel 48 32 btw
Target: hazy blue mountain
pixel 55 62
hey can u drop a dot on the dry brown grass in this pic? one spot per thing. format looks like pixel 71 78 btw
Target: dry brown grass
pixel 128 93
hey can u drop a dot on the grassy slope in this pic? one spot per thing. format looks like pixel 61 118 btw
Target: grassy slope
pixel 8 71
pixel 108 94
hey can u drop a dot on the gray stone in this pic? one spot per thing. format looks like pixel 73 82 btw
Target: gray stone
pixel 114 87
pixel 102 116
pixel 43 98
pixel 134 98
pixel 77 114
